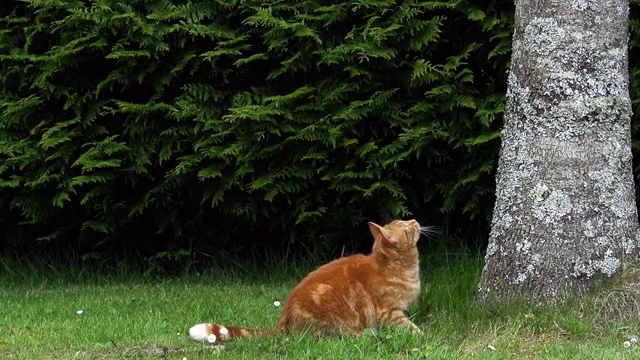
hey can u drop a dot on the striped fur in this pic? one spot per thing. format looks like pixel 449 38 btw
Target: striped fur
pixel 202 332
pixel 349 294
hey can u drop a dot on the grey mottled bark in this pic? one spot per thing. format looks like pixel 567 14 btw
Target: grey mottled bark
pixel 565 214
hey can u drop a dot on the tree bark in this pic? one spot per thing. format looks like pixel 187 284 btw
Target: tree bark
pixel 565 214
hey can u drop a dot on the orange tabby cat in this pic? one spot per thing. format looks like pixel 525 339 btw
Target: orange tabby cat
pixel 350 294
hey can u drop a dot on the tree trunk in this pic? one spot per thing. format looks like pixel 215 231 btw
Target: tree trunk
pixel 565 213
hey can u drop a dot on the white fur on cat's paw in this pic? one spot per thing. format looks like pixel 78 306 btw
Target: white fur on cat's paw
pixel 199 332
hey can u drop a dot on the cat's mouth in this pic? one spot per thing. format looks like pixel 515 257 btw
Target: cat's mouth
pixel 412 231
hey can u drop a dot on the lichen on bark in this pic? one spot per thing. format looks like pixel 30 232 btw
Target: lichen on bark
pixel 565 212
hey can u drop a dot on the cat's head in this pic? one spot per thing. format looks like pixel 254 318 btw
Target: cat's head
pixel 398 234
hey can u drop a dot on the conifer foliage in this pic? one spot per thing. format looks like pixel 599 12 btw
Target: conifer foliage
pixel 175 124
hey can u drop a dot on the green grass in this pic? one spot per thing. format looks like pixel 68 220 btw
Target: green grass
pixel 130 316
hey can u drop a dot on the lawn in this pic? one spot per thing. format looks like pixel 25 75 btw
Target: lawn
pixel 48 313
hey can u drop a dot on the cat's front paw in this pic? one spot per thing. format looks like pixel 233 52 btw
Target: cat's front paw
pixel 415 330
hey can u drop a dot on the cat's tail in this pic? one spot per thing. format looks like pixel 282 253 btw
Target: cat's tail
pixel 214 333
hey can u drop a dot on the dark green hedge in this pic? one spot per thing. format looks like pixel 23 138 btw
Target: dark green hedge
pixel 163 125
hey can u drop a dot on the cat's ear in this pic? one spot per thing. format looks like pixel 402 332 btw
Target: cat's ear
pixel 377 230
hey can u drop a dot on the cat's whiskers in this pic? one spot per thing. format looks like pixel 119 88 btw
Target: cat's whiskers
pixel 430 231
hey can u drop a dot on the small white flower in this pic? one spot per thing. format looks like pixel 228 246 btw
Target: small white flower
pixel 223 331
pixel 178 334
pixel 627 344
pixel 276 303
pixel 491 347
pixel 184 358
pixel 633 340
pixel 212 338
pixel 79 312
